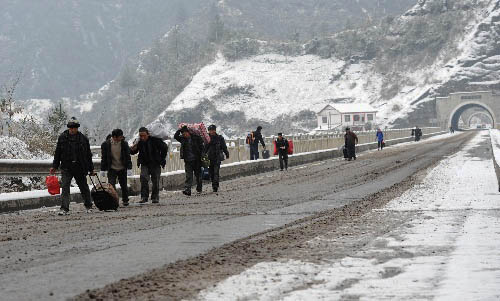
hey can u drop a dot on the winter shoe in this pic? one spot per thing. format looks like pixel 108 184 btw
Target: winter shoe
pixel 63 212
pixel 215 189
pixel 155 201
pixel 125 203
pixel 143 201
pixel 89 210
pixel 186 192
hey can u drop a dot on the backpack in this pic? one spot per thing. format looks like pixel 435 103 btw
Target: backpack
pixel 250 138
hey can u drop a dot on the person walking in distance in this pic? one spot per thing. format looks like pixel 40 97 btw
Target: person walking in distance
pixel 418 133
pixel 380 139
pixel 282 146
pixel 350 144
pixel 216 150
pixel 152 157
pixel 192 150
pixel 253 140
pixel 115 160
pixel 74 157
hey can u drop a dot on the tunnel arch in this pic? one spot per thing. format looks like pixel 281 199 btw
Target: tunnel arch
pixel 459 110
pixel 479 113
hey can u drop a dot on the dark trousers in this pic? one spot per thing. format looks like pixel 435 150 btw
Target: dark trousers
pixel 283 156
pixel 150 172
pixel 81 180
pixel 254 152
pixel 122 179
pixel 193 167
pixel 214 171
pixel 380 145
pixel 351 151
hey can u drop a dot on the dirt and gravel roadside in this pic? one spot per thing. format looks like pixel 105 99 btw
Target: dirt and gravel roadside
pixel 356 181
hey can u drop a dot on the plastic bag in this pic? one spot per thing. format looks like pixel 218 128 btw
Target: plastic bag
pixel 159 130
pixel 53 186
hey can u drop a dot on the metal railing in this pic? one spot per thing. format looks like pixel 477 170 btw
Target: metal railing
pixel 238 151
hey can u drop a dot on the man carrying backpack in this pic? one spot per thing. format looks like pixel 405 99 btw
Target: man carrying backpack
pixel 74 157
pixel 215 150
pixel 253 140
pixel 192 150
pixel 115 160
pixel 152 157
pixel 282 146
pixel 351 140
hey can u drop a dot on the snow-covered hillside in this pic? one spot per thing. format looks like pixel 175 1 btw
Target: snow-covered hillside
pixel 270 87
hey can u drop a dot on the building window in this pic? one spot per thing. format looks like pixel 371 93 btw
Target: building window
pixel 325 119
pixel 370 117
pixel 347 118
pixel 471 97
pixel 356 117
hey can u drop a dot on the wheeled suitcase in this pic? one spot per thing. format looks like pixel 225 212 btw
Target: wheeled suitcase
pixel 344 150
pixel 265 154
pixel 205 174
pixel 104 196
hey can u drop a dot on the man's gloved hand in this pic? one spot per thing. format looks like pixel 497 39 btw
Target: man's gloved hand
pixel 163 163
pixel 53 171
pixel 92 173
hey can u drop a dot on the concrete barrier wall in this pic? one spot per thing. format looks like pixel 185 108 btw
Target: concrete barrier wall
pixel 175 180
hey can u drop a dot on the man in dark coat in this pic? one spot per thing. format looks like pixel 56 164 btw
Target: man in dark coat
pixel 74 157
pixel 418 133
pixel 152 157
pixel 282 147
pixel 253 140
pixel 115 160
pixel 215 150
pixel 192 150
pixel 351 140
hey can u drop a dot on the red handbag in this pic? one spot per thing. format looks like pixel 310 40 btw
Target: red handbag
pixel 53 185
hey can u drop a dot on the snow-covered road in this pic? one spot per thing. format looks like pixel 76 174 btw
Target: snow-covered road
pixel 438 240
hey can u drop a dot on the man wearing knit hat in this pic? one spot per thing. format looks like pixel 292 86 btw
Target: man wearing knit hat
pixel 74 157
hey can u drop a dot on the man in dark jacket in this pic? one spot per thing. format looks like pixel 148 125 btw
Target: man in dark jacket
pixel 282 147
pixel 115 160
pixel 74 157
pixel 152 157
pixel 418 133
pixel 350 144
pixel 215 150
pixel 253 140
pixel 192 150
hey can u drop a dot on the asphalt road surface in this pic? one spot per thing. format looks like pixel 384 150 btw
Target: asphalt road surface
pixel 183 245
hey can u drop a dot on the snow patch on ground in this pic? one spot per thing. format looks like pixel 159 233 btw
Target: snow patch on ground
pixel 448 251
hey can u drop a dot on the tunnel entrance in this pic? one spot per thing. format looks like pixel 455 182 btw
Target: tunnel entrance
pixel 472 115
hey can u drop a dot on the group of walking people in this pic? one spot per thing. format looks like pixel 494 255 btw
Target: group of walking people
pixel 74 157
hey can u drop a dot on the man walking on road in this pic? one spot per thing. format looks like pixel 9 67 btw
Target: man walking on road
pixel 192 149
pixel 380 139
pixel 253 140
pixel 282 147
pixel 74 157
pixel 215 150
pixel 152 157
pixel 350 144
pixel 115 160
pixel 418 133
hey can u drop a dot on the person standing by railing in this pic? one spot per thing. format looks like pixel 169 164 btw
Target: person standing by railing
pixel 380 139
pixel 215 150
pixel 253 140
pixel 74 157
pixel 350 140
pixel 152 157
pixel 282 146
pixel 191 151
pixel 115 160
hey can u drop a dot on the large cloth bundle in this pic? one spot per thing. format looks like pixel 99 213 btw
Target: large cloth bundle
pixel 197 129
pixel 159 130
